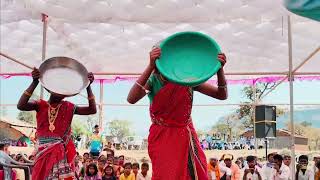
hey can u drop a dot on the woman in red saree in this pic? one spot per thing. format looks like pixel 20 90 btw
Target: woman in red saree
pixel 56 152
pixel 173 144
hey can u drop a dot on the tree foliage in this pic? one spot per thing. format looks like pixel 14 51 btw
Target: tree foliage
pixel 228 125
pixel 120 128
pixel 305 129
pixel 245 111
pixel 79 128
pixel 29 116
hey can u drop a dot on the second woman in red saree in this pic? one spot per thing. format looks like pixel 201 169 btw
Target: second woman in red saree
pixel 173 144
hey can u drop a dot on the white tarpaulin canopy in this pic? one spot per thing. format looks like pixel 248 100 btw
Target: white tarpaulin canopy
pixel 115 36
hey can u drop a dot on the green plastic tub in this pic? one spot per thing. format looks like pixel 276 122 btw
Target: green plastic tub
pixel 188 58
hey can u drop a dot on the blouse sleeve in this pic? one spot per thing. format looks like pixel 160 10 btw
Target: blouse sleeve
pixel 151 80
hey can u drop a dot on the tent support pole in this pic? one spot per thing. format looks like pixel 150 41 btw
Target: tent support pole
pixel 44 44
pixel 101 106
pixel 291 100
pixel 254 87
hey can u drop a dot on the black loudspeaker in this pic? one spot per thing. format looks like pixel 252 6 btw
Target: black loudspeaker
pixel 265 123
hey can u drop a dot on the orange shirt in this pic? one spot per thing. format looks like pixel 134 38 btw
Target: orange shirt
pixel 215 169
pixel 235 172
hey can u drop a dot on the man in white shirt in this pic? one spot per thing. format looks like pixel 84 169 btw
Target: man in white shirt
pixel 281 171
pixel 252 171
pixel 267 169
pixel 303 173
pixel 143 175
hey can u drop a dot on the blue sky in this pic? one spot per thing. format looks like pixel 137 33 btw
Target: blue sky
pixel 203 117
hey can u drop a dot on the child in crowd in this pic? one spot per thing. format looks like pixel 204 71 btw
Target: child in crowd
pixel 135 169
pixel 92 172
pixel 127 174
pixel 77 167
pixel 101 165
pixel 143 175
pixel 31 157
pixel 85 165
pixel 117 168
pixel 85 157
pixel 109 174
pixel 121 160
pixel 110 161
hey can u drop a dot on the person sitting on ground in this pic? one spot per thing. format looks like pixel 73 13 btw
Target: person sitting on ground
pixel 109 174
pixel 215 172
pixel 143 175
pixel 252 171
pixel 127 174
pixel 92 172
pixel 303 173
pixel 280 170
pixel 135 169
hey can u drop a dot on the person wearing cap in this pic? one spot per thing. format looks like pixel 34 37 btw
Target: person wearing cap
pixel 287 160
pixel 235 170
pixel 280 170
pixel 286 154
pixel 215 172
pixel 252 171
pixel 303 173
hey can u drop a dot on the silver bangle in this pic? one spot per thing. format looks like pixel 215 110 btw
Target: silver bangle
pixel 146 90
pixel 222 87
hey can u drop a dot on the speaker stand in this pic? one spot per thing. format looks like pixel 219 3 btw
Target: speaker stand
pixel 266 144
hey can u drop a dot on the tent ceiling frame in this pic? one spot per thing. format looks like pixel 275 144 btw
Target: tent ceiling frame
pixel 294 71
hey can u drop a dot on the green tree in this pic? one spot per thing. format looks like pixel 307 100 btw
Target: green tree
pixel 79 128
pixel 245 111
pixel 29 116
pixel 92 121
pixel 306 130
pixel 228 125
pixel 120 128
pixel 306 124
